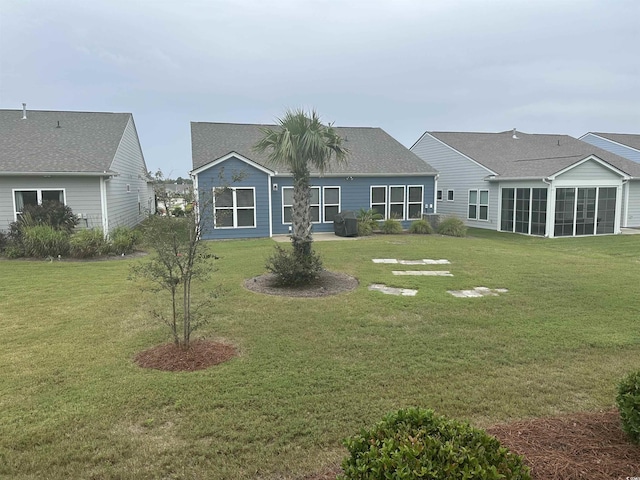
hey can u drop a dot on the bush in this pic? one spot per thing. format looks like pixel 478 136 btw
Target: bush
pixel 52 213
pixel 453 227
pixel 177 212
pixel 293 269
pixel 44 241
pixel 88 244
pixel 391 225
pixel 628 400
pixel 367 221
pixel 124 240
pixel 414 444
pixel 421 227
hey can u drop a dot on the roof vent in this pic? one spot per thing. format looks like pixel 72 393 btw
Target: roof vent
pixel 24 111
pixel 58 126
pixel 514 136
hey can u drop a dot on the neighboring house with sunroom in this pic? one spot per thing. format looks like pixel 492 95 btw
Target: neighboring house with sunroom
pixel 546 185
pixel 253 199
pixel 627 146
pixel 90 161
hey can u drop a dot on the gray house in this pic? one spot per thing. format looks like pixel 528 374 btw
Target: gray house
pixel 380 174
pixel 90 161
pixel 547 185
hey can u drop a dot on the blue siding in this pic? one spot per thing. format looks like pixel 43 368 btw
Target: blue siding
pixel 222 175
pixel 612 147
pixel 354 195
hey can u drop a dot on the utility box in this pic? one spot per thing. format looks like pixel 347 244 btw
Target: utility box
pixel 345 224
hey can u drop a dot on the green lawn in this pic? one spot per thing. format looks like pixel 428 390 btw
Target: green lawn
pixel 311 371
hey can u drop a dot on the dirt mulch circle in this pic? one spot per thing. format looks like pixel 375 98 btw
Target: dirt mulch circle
pixel 572 447
pixel 328 283
pixel 200 355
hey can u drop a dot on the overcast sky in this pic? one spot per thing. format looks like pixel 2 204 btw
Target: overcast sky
pixel 407 66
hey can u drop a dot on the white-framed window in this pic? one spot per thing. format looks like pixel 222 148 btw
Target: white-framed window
pixel 36 196
pixel 449 195
pixel 379 200
pixel 478 205
pixel 234 207
pixel 397 201
pixel 287 204
pixel 414 202
pixel 439 195
pixel 330 203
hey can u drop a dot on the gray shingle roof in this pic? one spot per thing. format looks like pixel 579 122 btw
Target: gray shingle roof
pixel 86 142
pixel 372 151
pixel 628 139
pixel 531 155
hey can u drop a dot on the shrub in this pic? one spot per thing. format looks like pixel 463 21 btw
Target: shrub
pixel 453 227
pixel 44 241
pixel 88 243
pixel 421 227
pixel 628 400
pixel 414 444
pixel 52 213
pixel 367 221
pixel 124 240
pixel 177 212
pixel 292 269
pixel 391 225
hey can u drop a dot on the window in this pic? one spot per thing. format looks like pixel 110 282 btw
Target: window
pixel 414 202
pixel 234 207
pixel 478 205
pixel 524 210
pixel 439 195
pixel 449 195
pixel 36 197
pixel 576 209
pixel 379 200
pixel 396 202
pixel 330 203
pixel 287 204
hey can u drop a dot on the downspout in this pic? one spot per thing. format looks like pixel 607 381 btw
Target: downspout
pixel 270 188
pixel 435 193
pixel 103 205
pixel 625 185
pixel 550 206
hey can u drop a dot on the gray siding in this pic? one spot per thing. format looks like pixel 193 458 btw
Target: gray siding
pixel 612 147
pixel 82 194
pixel 128 206
pixel 589 171
pixel 633 212
pixel 458 173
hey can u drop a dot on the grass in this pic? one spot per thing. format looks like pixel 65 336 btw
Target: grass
pixel 311 371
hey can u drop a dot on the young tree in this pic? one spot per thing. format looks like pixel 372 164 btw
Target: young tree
pixel 180 257
pixel 301 142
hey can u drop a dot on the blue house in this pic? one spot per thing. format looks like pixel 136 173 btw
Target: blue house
pixel 255 200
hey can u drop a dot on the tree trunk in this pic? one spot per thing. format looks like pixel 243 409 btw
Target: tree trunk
pixel 300 216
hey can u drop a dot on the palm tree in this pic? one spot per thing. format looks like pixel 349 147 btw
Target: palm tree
pixel 301 142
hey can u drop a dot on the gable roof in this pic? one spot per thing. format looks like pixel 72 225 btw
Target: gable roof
pixel 627 139
pixel 372 151
pixel 530 155
pixel 85 142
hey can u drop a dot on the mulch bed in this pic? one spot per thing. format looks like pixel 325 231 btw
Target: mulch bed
pixel 201 354
pixel 328 283
pixel 571 447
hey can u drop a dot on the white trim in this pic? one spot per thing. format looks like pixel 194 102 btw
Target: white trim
pixel 324 203
pixel 404 201
pixel 103 206
pixel 421 187
pixel 270 192
pixel 234 208
pixel 199 170
pixel 282 204
pixel 586 159
pixel 38 196
pixel 386 198
pixel 453 197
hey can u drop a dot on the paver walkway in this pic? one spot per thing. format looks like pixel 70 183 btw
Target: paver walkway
pixel 425 273
pixel 425 261
pixel 405 292
pixel 477 292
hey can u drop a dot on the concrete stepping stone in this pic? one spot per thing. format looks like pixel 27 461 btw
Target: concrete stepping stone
pixel 424 261
pixel 477 292
pixel 405 292
pixel 426 273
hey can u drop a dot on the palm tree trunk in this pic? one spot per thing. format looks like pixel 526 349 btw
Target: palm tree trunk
pixel 301 217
